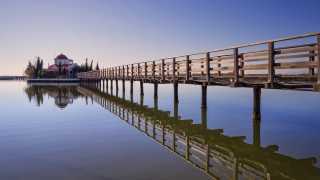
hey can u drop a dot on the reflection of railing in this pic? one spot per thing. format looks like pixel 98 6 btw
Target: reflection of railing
pixel 292 62
pixel 220 156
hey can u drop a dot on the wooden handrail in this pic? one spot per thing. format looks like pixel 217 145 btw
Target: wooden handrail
pixel 263 65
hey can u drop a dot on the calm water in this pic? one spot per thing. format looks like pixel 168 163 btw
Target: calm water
pixel 72 132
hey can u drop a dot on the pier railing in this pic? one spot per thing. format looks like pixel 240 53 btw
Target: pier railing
pixel 291 62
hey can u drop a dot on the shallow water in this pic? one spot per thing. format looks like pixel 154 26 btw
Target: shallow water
pixel 72 132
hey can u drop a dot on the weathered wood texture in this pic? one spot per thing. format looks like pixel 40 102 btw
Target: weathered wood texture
pixel 288 63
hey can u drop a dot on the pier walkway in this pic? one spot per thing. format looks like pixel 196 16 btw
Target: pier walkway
pixel 286 63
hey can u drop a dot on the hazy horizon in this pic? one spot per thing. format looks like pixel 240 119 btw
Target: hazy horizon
pixel 120 32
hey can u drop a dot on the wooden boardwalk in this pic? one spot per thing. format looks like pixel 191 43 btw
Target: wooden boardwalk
pixel 218 155
pixel 287 63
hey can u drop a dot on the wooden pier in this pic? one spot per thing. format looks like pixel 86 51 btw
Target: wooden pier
pixel 286 63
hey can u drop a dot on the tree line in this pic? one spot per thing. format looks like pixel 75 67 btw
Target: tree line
pixel 36 69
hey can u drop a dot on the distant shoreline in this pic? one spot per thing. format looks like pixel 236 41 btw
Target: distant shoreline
pixel 73 80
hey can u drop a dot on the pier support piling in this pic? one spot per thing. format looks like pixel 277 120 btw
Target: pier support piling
pixel 111 86
pixel 204 96
pixel 107 86
pixel 256 116
pixel 103 85
pixel 117 88
pixel 123 89
pixel 155 92
pixel 155 102
pixel 141 88
pixel 204 118
pixel 131 90
pixel 175 93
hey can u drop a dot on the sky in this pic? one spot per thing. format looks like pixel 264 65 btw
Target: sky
pixel 118 32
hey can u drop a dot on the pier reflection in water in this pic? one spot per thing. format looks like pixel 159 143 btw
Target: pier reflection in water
pixel 220 156
pixel 209 150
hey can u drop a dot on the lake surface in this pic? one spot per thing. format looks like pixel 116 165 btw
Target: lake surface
pixel 73 132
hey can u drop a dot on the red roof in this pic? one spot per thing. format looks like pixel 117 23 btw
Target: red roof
pixel 54 67
pixel 61 56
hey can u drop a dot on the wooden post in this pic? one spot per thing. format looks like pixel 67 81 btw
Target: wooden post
pixel 103 85
pixel 162 69
pixel 176 110
pixel 139 71
pixel 154 70
pixel 145 70
pixel 256 116
pixel 175 93
pixel 155 100
pixel 174 140
pixel 241 65
pixel 123 88
pixel 204 96
pixel 107 86
pixel 163 134
pixel 155 89
pixel 235 169
pixel 208 66
pixel 154 130
pixel 132 73
pixel 141 88
pixel 187 68
pixel 207 158
pixel 141 100
pixel 187 155
pixel 271 71
pixel 174 69
pixel 236 66
pixel 131 90
pixel 311 60
pixel 204 118
pixel 127 71
pixel 219 66
pixel 123 73
pixel 117 87
pixel 111 86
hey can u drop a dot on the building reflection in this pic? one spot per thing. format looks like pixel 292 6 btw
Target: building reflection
pixel 62 95
pixel 218 155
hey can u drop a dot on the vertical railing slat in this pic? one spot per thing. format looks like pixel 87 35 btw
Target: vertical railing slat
pixel 207 64
pixel 271 71
pixel 236 65
pixel 162 69
pixel 187 68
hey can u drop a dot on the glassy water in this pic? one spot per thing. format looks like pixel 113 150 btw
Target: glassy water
pixel 73 132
